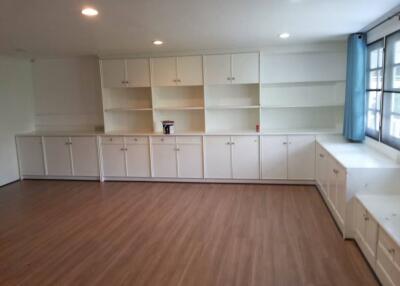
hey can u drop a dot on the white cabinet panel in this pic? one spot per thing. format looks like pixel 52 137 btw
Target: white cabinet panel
pixel 113 73
pixel 341 192
pixel 301 157
pixel 84 156
pixel 164 160
pixel 322 169
pixel 371 237
pixel 218 157
pixel 30 154
pixel 113 160
pixel 385 263
pixel 190 70
pixel 217 69
pixel 274 157
pixel 163 71
pixel 245 68
pixel 359 221
pixel 58 156
pixel 190 161
pixel 138 72
pixel 138 160
pixel 245 157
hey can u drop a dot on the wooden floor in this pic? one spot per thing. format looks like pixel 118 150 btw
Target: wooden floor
pixel 171 234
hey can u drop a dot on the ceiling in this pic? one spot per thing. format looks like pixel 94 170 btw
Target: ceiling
pixel 53 28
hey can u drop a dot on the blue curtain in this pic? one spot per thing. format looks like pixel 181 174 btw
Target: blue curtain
pixel 355 104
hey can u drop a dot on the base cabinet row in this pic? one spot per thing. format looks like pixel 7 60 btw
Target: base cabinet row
pixel 331 179
pixel 249 157
pixel 380 250
pixel 58 156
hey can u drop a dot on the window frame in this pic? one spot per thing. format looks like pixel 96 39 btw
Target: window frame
pixel 385 94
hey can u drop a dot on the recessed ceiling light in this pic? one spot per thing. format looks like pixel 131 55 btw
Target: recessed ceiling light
pixel 284 35
pixel 158 42
pixel 89 11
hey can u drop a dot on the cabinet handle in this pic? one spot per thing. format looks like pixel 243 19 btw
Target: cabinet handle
pixel 321 155
pixel 177 149
pixel 232 143
pixel 284 143
pixel 233 78
pixel 135 139
pixel 178 80
pixel 229 78
pixel 228 143
pixel 162 139
pixel 335 171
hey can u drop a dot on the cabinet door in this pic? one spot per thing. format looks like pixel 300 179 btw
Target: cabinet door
pixel 341 201
pixel 190 70
pixel 163 71
pixel 371 238
pixel 138 160
pixel 301 157
pixel 138 72
pixel 164 161
pixel 84 156
pixel 274 157
pixel 359 221
pixel 113 160
pixel 319 165
pixel 58 156
pixel 246 68
pixel 332 178
pixel 218 157
pixel 190 161
pixel 217 69
pixel 245 157
pixel 113 73
pixel 30 154
pixel 324 172
pixel 385 267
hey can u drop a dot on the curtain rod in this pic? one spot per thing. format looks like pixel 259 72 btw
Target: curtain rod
pixel 397 14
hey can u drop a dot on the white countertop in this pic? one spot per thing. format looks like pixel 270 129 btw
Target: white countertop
pixel 385 209
pixel 355 155
pixel 200 133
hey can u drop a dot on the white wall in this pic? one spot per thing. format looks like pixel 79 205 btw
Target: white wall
pixel 67 94
pixel 16 112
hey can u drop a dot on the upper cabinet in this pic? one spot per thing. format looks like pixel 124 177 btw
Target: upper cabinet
pixel 125 73
pixel 236 69
pixel 303 67
pixel 181 71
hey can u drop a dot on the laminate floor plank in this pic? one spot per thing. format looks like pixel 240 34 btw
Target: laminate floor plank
pixel 172 234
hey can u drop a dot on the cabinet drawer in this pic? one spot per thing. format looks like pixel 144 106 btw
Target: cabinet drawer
pixel 112 140
pixel 386 241
pixel 163 140
pixel 189 140
pixel 137 140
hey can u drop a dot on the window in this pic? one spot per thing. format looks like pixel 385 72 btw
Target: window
pixel 391 102
pixel 383 80
pixel 374 88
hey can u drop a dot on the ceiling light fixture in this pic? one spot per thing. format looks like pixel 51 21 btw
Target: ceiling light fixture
pixel 158 42
pixel 284 35
pixel 90 12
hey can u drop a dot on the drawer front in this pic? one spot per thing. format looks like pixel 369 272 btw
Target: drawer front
pixel 112 140
pixel 163 140
pixel 386 241
pixel 189 140
pixel 137 140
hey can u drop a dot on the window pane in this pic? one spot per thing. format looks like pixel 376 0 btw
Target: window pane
pixel 396 77
pixel 371 120
pixel 380 78
pixel 397 52
pixel 380 57
pixel 372 98
pixel 373 80
pixel 395 126
pixel 395 104
pixel 373 59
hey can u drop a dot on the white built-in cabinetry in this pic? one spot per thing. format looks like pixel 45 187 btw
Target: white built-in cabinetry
pixel 30 156
pixel 388 260
pixel 125 156
pixel 365 232
pixel 288 157
pixel 232 157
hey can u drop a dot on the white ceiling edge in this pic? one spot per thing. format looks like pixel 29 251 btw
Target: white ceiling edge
pixel 384 17
pixel 287 48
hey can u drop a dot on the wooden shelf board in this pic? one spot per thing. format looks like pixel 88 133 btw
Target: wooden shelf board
pixel 301 106
pixel 232 107
pixel 178 108
pixel 127 109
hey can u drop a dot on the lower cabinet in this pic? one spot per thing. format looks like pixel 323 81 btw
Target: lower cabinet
pixel 125 156
pixel 30 155
pixel 71 156
pixel 58 156
pixel 228 157
pixel 337 190
pixel 288 157
pixel 322 170
pixel 177 157
pixel 365 232
pixel 388 260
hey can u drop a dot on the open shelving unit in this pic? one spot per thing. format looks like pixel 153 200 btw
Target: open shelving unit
pixel 302 105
